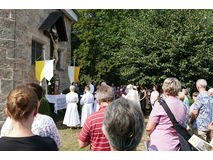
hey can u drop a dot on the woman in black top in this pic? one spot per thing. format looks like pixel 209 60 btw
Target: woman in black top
pixel 22 107
pixel 142 98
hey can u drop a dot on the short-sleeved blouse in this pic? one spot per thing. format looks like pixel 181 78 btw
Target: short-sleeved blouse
pixel 43 126
pixel 164 137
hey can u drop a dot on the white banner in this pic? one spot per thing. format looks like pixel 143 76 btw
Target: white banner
pixel 48 69
pixel 71 73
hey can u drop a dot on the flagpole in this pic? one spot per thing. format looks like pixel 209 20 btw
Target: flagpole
pixel 44 62
pixel 74 71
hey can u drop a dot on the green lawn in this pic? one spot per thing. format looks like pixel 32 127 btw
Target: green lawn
pixel 69 139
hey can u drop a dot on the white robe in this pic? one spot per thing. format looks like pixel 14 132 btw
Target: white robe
pixel 71 117
pixel 87 101
pixel 96 105
pixel 133 96
pixel 91 88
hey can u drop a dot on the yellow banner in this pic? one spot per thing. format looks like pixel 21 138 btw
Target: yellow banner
pixel 39 70
pixel 77 70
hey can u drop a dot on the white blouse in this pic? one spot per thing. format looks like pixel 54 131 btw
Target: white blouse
pixel 43 126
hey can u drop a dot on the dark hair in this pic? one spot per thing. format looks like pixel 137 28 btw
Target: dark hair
pixel 21 102
pixel 195 94
pixel 123 124
pixel 156 87
pixel 37 89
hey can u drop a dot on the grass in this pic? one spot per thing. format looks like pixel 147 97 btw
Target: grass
pixel 69 139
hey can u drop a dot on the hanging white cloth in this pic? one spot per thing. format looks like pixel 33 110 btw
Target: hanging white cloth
pixel 71 73
pixel 48 69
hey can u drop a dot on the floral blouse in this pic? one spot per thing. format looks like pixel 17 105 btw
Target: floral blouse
pixel 43 126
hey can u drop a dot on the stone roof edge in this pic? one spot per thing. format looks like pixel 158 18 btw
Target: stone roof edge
pixel 72 14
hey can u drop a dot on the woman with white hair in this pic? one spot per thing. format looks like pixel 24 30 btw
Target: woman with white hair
pixel 163 137
pixel 71 118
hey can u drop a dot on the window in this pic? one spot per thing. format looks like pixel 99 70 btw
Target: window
pixel 36 51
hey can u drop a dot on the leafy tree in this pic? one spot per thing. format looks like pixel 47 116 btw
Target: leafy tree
pixel 145 46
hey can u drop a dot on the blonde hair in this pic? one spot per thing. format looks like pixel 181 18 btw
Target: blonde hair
pixel 72 88
pixel 21 102
pixel 87 88
pixel 181 96
pixel 171 86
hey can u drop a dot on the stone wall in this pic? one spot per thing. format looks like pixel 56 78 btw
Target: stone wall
pixel 7 42
pixel 17 30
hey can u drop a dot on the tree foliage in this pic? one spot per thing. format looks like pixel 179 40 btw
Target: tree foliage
pixel 144 46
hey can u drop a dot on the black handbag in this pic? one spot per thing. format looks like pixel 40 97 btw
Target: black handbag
pixel 183 134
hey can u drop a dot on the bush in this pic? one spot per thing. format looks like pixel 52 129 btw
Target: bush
pixel 67 90
pixel 191 101
pixel 45 107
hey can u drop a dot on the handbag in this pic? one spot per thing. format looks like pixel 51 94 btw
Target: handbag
pixel 182 133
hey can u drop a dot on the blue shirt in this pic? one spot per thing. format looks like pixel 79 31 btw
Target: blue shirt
pixel 203 105
pixel 186 101
pixel 186 116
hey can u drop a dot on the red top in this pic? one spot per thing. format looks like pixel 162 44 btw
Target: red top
pixel 92 132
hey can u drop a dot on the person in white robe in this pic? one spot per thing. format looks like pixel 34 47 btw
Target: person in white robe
pixel 132 95
pixel 87 101
pixel 92 89
pixel 96 105
pixel 71 118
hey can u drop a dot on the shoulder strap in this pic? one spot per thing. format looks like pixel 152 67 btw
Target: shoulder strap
pixel 168 111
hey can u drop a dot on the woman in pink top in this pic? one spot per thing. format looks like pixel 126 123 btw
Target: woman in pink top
pixel 162 136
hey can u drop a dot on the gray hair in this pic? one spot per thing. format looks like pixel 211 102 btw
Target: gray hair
pixel 210 90
pixel 171 86
pixel 201 83
pixel 105 93
pixel 123 124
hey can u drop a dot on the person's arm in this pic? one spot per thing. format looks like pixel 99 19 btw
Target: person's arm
pixel 197 106
pixel 194 115
pixel 84 136
pixel 144 95
pixel 150 127
pixel 82 144
pixel 52 39
pixel 82 100
pixel 67 98
pixel 210 127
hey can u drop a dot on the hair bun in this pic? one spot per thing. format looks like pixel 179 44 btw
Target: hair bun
pixel 21 101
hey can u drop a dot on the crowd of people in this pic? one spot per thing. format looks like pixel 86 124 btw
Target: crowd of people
pixel 112 118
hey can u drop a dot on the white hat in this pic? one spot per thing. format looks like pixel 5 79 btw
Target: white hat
pixel 129 86
pixel 211 90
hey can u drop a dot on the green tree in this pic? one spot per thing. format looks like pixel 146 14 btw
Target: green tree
pixel 145 46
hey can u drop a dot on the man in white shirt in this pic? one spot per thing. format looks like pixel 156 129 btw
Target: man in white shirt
pixel 91 86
